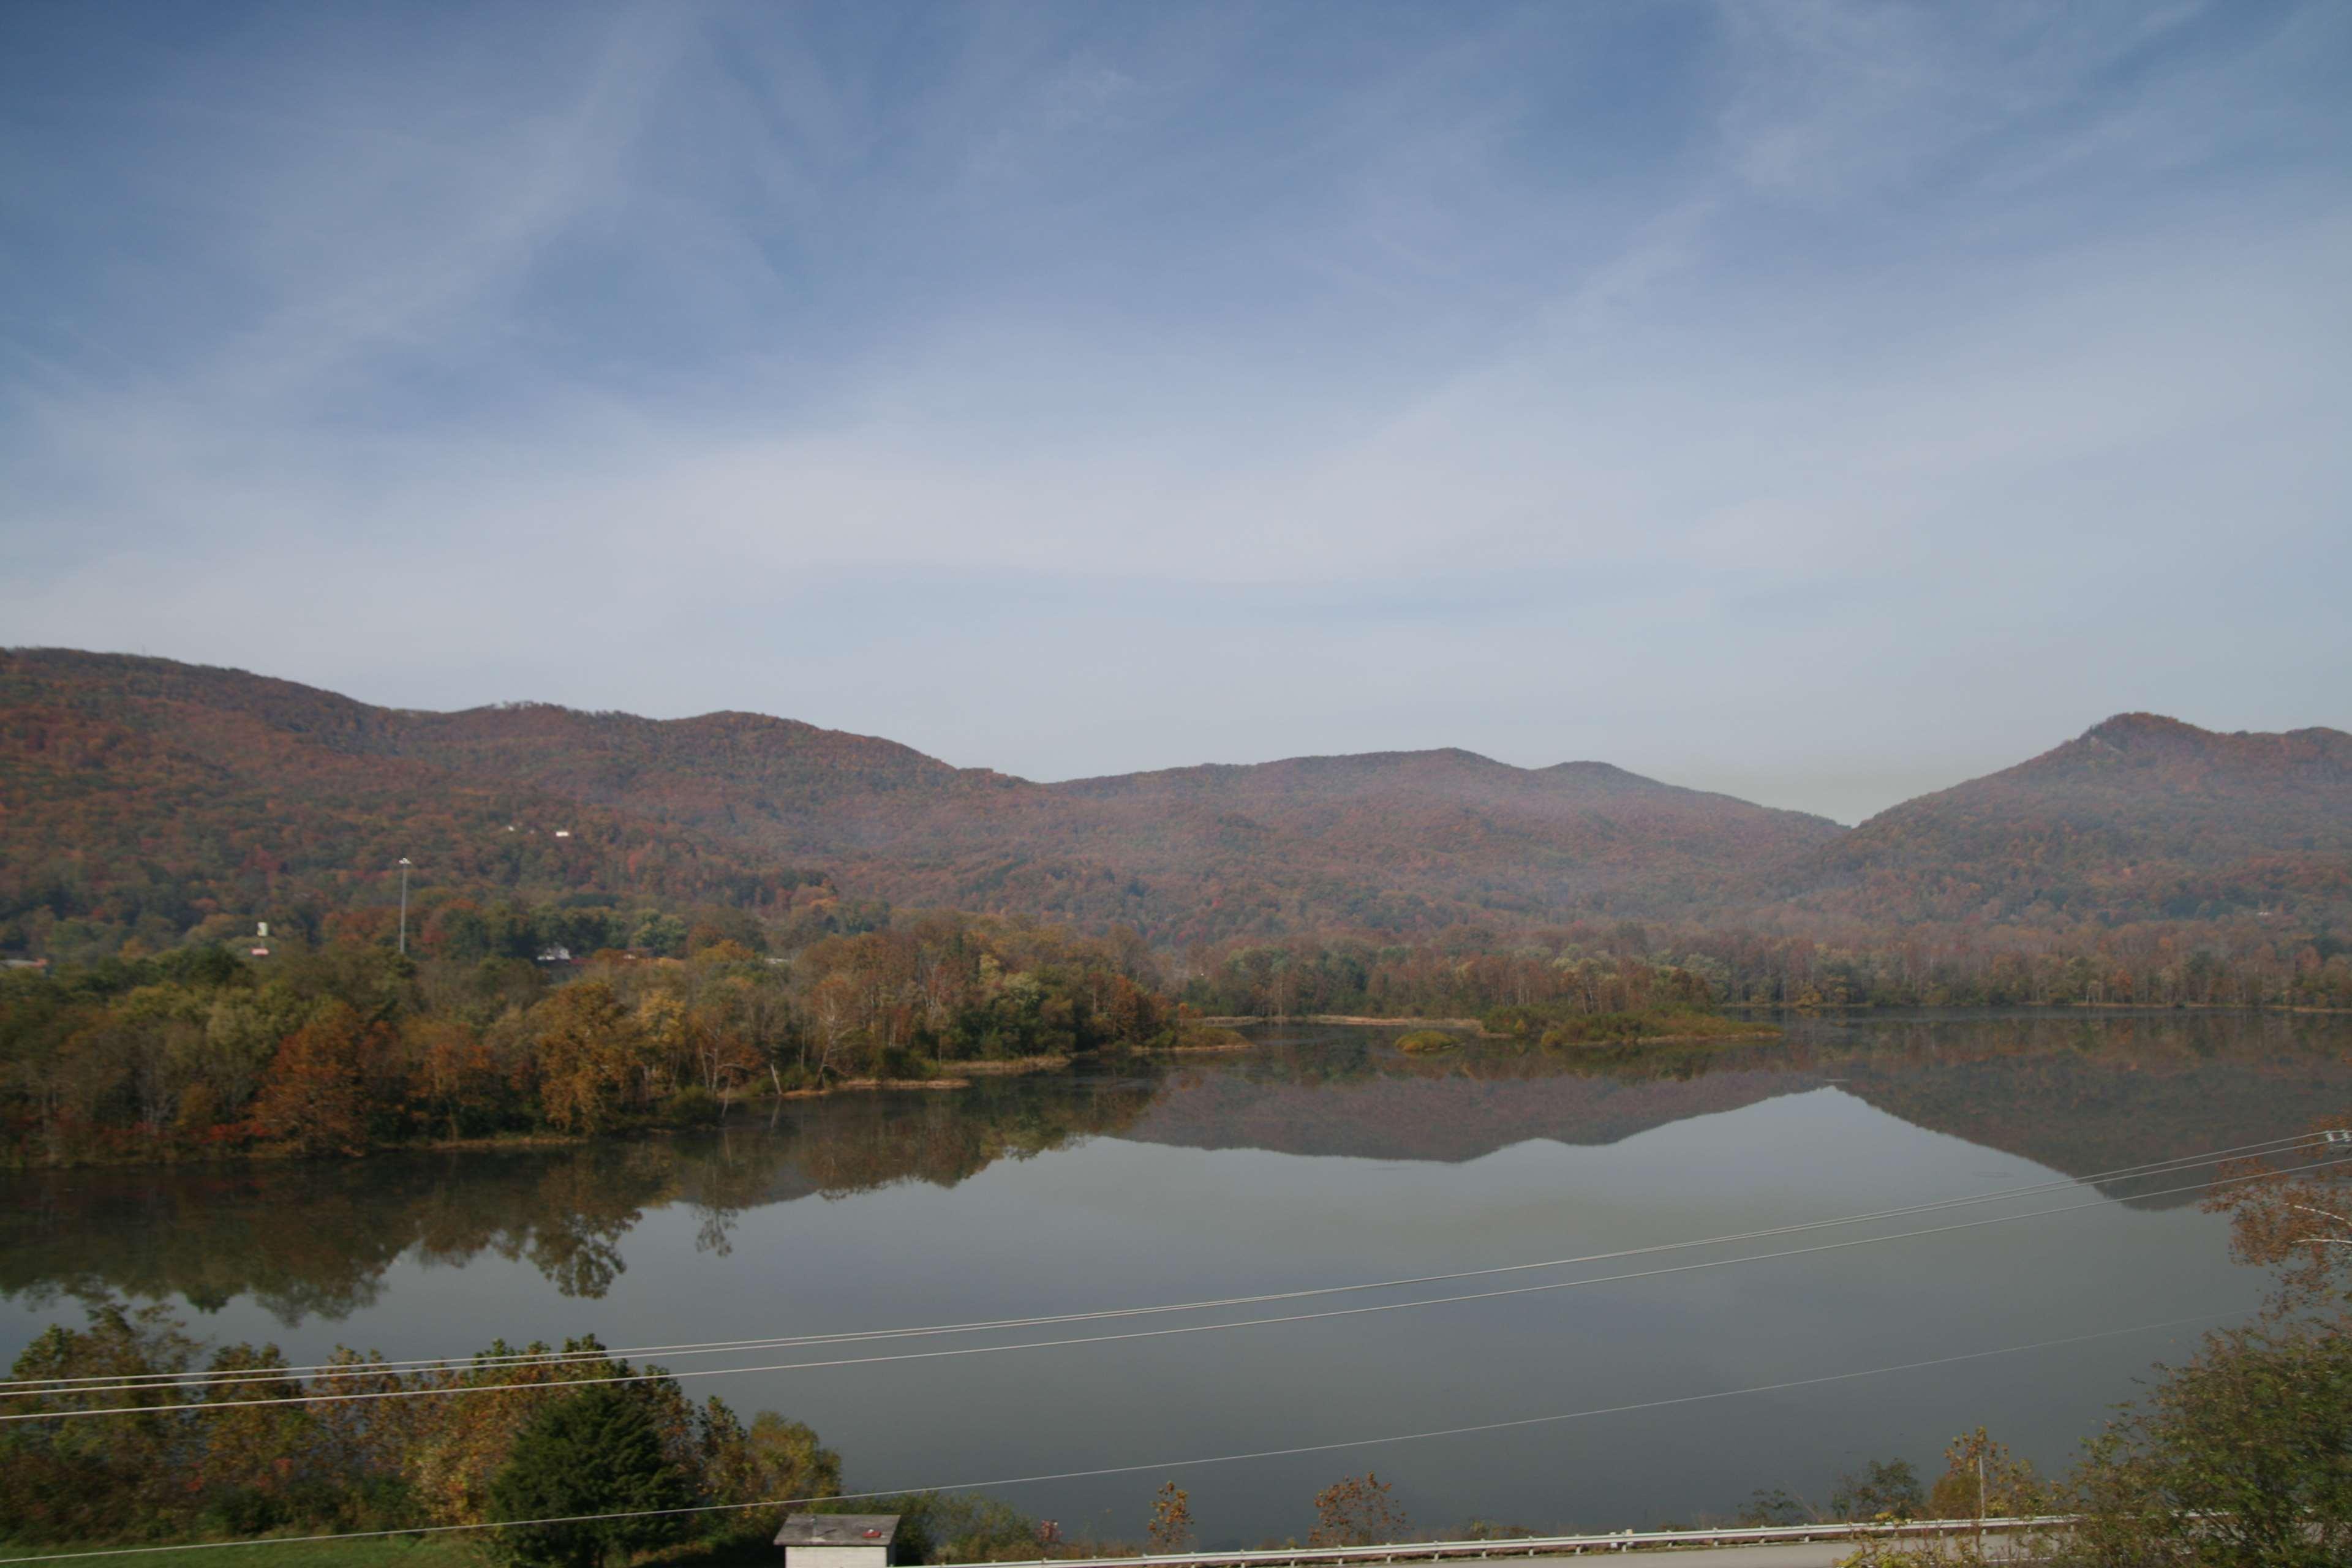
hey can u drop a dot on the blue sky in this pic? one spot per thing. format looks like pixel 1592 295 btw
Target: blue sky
pixel 1818 401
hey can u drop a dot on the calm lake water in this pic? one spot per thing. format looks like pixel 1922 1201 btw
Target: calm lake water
pixel 1322 1157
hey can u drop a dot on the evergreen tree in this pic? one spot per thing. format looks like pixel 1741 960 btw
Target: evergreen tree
pixel 595 1452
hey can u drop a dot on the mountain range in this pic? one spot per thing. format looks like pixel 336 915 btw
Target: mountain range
pixel 136 789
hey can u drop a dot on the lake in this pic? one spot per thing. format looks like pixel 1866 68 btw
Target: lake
pixel 1321 1157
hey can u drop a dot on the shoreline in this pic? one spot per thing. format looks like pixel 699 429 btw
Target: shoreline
pixel 1232 1021
pixel 2006 1009
pixel 862 1084
pixel 962 1075
pixel 1740 1037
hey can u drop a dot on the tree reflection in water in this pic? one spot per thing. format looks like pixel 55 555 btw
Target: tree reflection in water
pixel 315 1239
pixel 2078 1092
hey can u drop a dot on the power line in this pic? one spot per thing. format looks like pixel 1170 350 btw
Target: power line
pixel 459 1389
pixel 197 1380
pixel 1518 1422
pixel 236 1379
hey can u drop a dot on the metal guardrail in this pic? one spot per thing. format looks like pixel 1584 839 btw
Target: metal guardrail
pixel 1546 1545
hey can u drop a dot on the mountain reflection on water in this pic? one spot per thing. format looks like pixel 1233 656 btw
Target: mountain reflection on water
pixel 2079 1094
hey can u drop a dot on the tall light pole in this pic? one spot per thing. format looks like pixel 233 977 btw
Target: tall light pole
pixel 403 906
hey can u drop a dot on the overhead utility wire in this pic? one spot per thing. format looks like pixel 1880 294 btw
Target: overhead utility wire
pixel 1523 1421
pixel 194 1380
pixel 103 1383
pixel 456 1389
pixel 202 1378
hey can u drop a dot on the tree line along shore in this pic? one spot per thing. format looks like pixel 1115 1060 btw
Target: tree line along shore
pixel 335 1046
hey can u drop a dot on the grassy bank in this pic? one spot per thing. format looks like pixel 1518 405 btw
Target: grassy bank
pixel 385 1552
pixel 1470 1023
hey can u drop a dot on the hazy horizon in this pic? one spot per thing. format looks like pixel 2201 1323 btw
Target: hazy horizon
pixel 1822 403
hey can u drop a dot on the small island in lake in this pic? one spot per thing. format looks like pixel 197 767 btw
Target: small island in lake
pixel 1554 1024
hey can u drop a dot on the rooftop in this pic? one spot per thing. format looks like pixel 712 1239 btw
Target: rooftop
pixel 837 1530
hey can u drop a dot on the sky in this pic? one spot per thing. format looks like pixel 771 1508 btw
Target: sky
pixel 1822 403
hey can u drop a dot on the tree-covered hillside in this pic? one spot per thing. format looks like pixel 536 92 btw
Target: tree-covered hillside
pixel 141 795
pixel 140 790
pixel 136 801
pixel 2140 818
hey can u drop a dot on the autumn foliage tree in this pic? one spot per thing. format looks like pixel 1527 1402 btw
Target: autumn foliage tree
pixel 2242 1458
pixel 773 1460
pixel 589 1051
pixel 519 1432
pixel 1357 1510
pixel 2291 1211
pixel 315 1096
pixel 1170 1526
pixel 1983 1480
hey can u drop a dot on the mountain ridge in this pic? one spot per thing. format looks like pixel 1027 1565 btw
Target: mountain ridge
pixel 2139 816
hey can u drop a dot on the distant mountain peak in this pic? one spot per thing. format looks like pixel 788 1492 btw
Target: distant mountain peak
pixel 2141 816
pixel 2128 726
pixel 2143 732
pixel 2154 740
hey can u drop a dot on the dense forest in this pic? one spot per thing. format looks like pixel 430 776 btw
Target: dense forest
pixel 343 1045
pixel 337 1047
pixel 1630 966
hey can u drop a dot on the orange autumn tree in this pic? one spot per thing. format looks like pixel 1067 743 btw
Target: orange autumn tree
pixel 315 1095
pixel 2291 1211
pixel 454 1082
pixel 1171 1529
pixel 1357 1510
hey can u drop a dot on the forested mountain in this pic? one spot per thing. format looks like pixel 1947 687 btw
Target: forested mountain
pixel 1400 840
pixel 144 793
pixel 142 796
pixel 2140 818
pixel 1387 841
pixel 140 786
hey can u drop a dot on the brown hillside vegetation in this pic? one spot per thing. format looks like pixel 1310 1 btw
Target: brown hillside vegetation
pixel 2142 817
pixel 208 788
pixel 158 796
pixel 1385 841
pixel 144 794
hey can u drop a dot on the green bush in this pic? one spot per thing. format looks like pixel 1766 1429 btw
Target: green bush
pixel 2243 1455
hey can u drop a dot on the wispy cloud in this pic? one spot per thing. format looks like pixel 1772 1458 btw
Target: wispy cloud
pixel 1070 390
